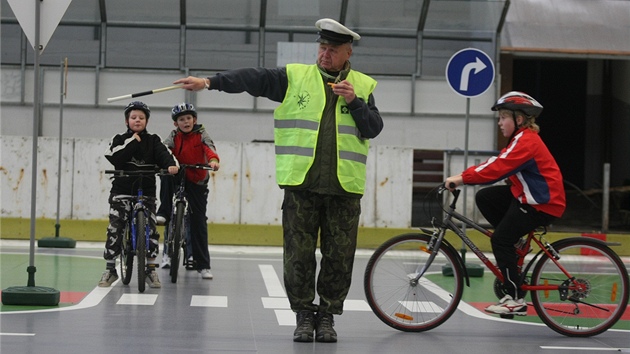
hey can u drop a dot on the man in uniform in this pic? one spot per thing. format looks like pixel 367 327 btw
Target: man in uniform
pixel 321 131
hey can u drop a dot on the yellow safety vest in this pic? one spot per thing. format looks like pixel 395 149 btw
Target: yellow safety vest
pixel 297 125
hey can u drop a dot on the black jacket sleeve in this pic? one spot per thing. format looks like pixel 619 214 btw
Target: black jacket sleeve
pixel 366 116
pixel 164 157
pixel 258 82
pixel 121 149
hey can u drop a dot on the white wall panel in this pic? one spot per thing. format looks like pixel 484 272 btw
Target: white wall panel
pixel 224 197
pixel 243 191
pixel 16 177
pixel 90 183
pixel 261 197
pixel 394 179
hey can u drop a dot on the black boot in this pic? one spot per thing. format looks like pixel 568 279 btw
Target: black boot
pixel 324 331
pixel 305 326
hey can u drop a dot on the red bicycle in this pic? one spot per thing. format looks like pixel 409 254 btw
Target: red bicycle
pixel 578 286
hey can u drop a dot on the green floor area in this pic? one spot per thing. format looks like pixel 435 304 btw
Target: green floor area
pixel 249 235
pixel 71 275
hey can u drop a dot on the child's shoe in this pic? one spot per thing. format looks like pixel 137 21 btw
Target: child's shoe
pixel 508 306
pixel 152 279
pixel 108 278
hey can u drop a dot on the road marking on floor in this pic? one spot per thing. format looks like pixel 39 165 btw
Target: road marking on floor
pixel 17 334
pixel 272 281
pixel 278 301
pixel 209 301
pixel 137 299
pixel 285 317
pixel 356 305
pixel 421 306
pixel 586 348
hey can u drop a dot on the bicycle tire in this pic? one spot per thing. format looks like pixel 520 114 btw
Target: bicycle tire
pixel 126 257
pixel 400 302
pixel 595 307
pixel 141 248
pixel 178 236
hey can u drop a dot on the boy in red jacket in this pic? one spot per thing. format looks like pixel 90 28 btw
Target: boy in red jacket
pixel 191 144
pixel 534 195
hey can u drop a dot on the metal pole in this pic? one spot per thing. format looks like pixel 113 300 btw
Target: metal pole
pixel 64 64
pixel 36 109
pixel 606 198
pixel 463 250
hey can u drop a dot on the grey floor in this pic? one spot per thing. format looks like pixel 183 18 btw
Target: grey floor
pixel 245 310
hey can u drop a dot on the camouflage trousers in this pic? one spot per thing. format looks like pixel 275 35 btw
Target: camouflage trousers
pixel 335 219
pixel 119 213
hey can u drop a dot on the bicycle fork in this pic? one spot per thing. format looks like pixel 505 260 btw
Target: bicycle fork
pixel 134 228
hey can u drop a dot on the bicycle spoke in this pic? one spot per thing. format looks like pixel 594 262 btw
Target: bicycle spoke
pixel 398 298
pixel 595 297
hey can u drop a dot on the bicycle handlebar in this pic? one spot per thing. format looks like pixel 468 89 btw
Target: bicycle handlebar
pixel 198 166
pixel 149 170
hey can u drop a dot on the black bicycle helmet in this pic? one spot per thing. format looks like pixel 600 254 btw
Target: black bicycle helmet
pixel 519 101
pixel 139 106
pixel 183 108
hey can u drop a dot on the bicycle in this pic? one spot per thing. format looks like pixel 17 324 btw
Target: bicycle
pixel 132 243
pixel 178 226
pixel 569 292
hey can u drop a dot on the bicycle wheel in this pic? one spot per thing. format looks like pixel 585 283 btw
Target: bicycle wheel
pixel 141 248
pixel 126 257
pixel 601 295
pixel 178 236
pixel 397 298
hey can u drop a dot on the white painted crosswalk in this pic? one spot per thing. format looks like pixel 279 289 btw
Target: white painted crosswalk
pixel 275 300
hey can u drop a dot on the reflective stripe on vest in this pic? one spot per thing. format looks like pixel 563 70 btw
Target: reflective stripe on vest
pixel 296 129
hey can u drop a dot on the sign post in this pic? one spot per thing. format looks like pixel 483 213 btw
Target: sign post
pixel 469 73
pixel 38 29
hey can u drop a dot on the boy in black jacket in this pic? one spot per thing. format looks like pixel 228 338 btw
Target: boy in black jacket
pixel 135 146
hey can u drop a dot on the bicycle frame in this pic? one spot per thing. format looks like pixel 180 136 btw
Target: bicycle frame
pixel 178 228
pixel 179 198
pixel 448 224
pixel 138 207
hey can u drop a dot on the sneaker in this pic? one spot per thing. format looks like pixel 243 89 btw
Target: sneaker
pixel 160 220
pixel 190 263
pixel 166 261
pixel 107 279
pixel 205 273
pixel 152 279
pixel 324 331
pixel 305 326
pixel 508 306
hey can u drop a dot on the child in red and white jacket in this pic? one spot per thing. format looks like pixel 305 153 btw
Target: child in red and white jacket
pixel 191 144
pixel 534 195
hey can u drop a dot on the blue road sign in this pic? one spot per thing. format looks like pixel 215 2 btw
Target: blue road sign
pixel 470 72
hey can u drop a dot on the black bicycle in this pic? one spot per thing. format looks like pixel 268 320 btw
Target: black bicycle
pixel 178 226
pixel 578 286
pixel 136 240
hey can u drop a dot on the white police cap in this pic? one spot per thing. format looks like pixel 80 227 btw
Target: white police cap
pixel 333 32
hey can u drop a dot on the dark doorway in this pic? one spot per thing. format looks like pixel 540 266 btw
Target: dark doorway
pixel 560 86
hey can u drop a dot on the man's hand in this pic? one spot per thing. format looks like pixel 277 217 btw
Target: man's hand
pixel 345 89
pixel 192 83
